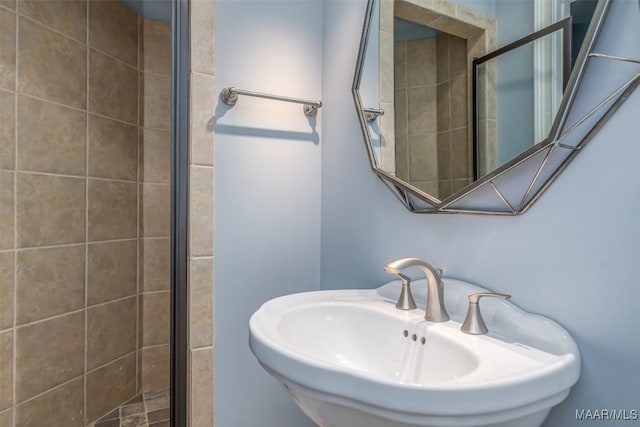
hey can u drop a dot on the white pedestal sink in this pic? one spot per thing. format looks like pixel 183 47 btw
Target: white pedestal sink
pixel 349 358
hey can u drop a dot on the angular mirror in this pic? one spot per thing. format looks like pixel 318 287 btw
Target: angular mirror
pixel 468 106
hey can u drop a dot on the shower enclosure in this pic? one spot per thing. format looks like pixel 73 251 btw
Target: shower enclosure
pixel 85 213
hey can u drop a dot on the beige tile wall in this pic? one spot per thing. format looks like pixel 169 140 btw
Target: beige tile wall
pixel 201 250
pixel 84 209
pixel 154 203
pixel 416 113
pixel 453 145
pixel 431 114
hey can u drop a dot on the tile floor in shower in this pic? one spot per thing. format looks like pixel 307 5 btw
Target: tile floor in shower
pixel 150 409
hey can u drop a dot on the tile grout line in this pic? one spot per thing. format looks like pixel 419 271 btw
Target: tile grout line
pixel 156 346
pixel 79 110
pixel 201 257
pixel 95 178
pixel 14 363
pixel 154 128
pixel 155 292
pixel 406 107
pixel 66 245
pixel 450 81
pixel 138 245
pixel 76 311
pixel 155 237
pixel 199 73
pixel 86 224
pixel 84 177
pixel 156 74
pixel 206 347
pixel 435 133
pixel 110 56
pixel 167 184
pixel 197 166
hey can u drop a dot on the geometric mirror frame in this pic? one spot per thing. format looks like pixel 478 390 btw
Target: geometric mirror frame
pixel 611 75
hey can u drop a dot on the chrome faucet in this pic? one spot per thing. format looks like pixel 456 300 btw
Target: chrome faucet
pixel 473 323
pixel 436 311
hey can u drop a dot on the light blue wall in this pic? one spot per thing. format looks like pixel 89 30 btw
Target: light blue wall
pixel 515 80
pixel 571 257
pixel 370 79
pixel 267 226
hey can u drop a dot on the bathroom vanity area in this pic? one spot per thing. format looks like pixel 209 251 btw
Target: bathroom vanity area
pixel 307 209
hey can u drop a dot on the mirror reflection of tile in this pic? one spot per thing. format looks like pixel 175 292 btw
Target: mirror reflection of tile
pixel 415 150
pixel 431 54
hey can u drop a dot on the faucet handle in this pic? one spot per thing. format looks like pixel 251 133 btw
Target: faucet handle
pixel 473 323
pixel 405 302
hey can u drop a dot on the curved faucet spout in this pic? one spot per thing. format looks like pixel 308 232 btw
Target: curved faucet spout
pixel 436 312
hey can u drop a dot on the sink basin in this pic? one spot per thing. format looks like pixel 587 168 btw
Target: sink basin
pixel 349 358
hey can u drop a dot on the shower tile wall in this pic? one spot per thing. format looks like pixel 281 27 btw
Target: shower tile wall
pixel 154 221
pixel 84 210
pixel 431 114
pixel 416 113
pixel 453 125
pixel 201 211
